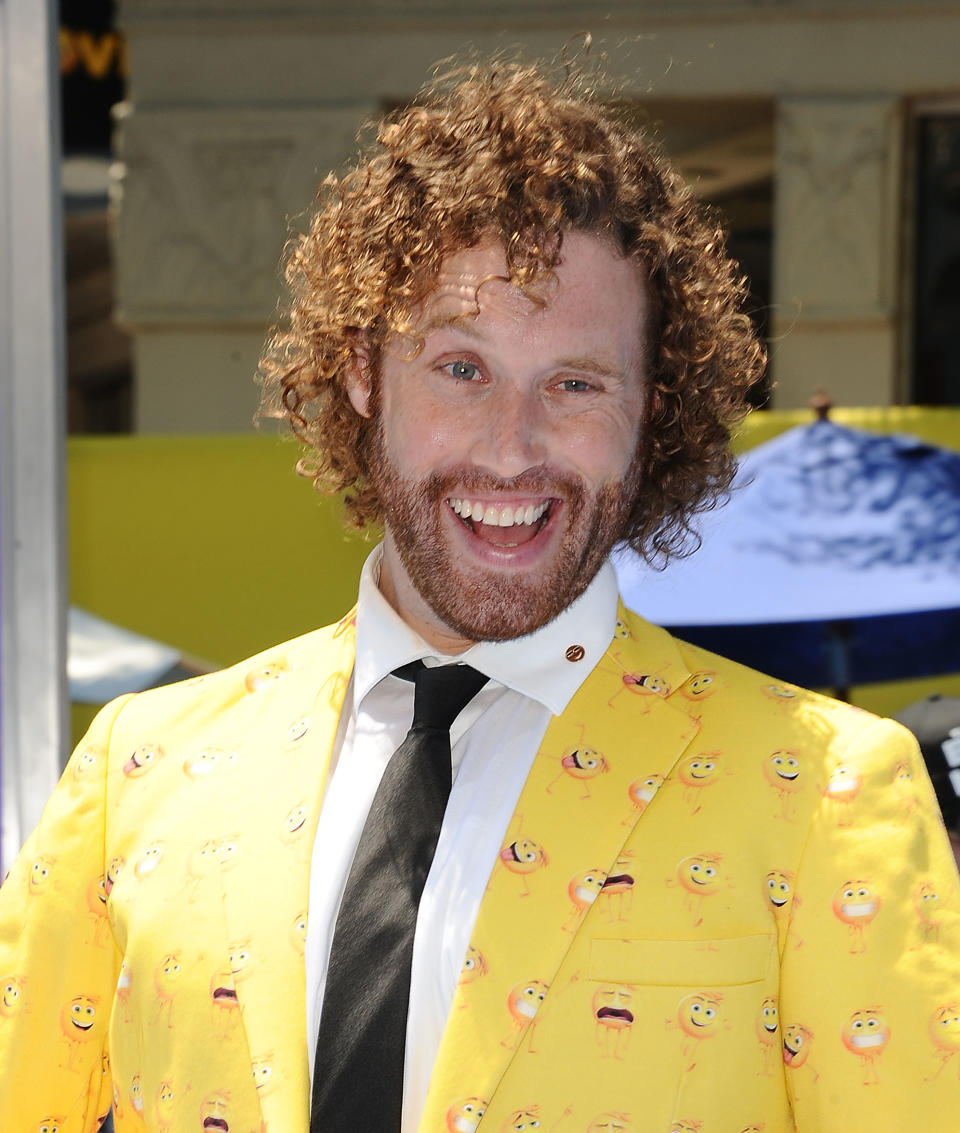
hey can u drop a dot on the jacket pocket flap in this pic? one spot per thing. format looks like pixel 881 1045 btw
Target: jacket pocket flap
pixel 683 963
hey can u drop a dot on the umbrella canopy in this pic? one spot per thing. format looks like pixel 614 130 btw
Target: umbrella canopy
pixel 836 560
pixel 105 660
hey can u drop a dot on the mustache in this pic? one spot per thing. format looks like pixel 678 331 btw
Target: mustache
pixel 541 481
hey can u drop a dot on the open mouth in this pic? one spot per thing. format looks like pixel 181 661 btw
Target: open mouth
pixel 216 1123
pixel 82 1026
pixel 618 1014
pixel 788 775
pixel 789 1054
pixel 771 1030
pixel 503 525
pixel 619 881
pixel 224 995
pixel 861 1041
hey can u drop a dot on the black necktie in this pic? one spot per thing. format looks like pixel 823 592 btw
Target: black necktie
pixel 358 1072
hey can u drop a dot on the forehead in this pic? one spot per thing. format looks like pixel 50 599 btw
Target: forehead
pixel 593 290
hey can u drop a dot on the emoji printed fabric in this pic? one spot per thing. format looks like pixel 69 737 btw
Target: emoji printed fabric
pixel 722 904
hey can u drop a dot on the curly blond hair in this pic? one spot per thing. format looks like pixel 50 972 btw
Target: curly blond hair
pixel 498 149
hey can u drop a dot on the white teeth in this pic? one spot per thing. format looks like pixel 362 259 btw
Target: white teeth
pixel 494 516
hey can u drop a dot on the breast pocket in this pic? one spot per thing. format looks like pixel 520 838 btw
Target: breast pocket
pixel 732 962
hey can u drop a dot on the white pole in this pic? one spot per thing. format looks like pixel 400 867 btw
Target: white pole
pixel 33 704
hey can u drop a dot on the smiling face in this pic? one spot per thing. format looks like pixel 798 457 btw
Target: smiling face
pixel 866 1033
pixel 505 450
pixel 796 1045
pixel 768 1021
pixel 700 770
pixel 526 999
pixel 700 874
pixel 78 1018
pixel 464 1115
pixel 782 769
pixel 855 903
pixel 698 1015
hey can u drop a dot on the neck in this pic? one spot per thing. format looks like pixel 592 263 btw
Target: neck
pixel 400 592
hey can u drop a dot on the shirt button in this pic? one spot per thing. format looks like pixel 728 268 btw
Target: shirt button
pixel 575 652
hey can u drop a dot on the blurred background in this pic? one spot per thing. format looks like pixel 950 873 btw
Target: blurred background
pixel 157 154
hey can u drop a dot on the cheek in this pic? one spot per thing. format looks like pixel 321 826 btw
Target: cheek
pixel 418 439
pixel 601 449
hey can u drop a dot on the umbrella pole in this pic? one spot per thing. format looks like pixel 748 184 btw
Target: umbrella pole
pixel 837 649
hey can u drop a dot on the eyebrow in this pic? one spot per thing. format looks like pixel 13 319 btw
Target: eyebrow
pixel 462 324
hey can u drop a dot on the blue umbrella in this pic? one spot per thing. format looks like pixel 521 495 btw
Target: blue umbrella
pixel 836 561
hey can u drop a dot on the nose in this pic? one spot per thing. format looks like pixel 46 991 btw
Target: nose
pixel 512 434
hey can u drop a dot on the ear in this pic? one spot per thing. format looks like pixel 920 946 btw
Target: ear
pixel 358 379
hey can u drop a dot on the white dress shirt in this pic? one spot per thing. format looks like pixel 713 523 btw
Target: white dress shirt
pixel 493 743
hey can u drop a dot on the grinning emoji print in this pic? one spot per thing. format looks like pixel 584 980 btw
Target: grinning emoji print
pixel 856 904
pixel 583 889
pixel 641 792
pixel 866 1034
pixel 524 1002
pixel 465 1114
pixel 841 792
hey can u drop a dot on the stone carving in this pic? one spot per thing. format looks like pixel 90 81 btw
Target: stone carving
pixel 202 204
pixel 835 193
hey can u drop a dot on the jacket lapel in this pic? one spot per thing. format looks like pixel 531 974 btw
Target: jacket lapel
pixel 598 766
pixel 282 760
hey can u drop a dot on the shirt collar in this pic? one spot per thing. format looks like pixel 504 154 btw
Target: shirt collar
pixel 548 665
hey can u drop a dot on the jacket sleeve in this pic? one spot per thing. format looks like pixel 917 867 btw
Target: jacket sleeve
pixel 870 973
pixel 58 962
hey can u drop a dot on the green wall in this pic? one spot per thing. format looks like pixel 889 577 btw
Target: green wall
pixel 215 545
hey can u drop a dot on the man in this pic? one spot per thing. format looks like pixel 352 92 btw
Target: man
pixel 668 893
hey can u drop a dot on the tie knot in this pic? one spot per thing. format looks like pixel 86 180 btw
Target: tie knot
pixel 440 693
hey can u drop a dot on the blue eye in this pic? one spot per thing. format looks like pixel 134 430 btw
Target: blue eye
pixel 575 385
pixel 466 371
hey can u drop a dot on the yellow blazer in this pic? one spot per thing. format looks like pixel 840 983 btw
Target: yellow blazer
pixel 722 905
